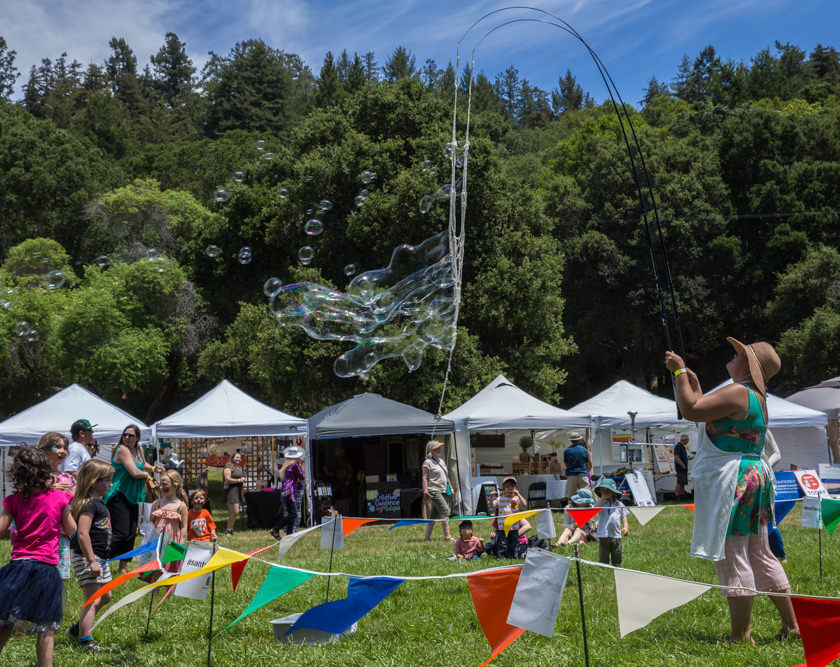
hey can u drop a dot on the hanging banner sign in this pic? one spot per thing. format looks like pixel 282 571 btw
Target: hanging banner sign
pixel 639 488
pixel 810 483
pixel 198 555
pixel 830 476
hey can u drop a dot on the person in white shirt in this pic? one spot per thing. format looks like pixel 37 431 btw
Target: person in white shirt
pixel 79 451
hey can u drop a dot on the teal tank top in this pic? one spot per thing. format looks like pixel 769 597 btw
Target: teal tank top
pixel 745 436
pixel 134 489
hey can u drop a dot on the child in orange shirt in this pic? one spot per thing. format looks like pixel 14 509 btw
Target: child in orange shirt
pixel 201 526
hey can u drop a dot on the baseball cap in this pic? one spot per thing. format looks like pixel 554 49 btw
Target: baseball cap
pixel 81 425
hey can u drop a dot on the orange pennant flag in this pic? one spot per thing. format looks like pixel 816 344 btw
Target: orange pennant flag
pixel 239 566
pixel 688 507
pixel 492 594
pixel 349 525
pixel 582 515
pixel 111 585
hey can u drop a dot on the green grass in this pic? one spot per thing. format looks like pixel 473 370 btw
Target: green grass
pixel 434 623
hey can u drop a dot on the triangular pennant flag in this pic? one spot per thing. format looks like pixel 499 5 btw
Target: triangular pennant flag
pixel 279 581
pixel 174 552
pixel 518 516
pixel 819 625
pixel 149 547
pixel 688 507
pixel 222 558
pixel 132 597
pixel 642 597
pixel 111 585
pixel 289 540
pixel 545 525
pixel 349 525
pixel 336 616
pixel 644 514
pixel 492 593
pixel 782 508
pixel 583 514
pixel 332 535
pixel 410 522
pixel 237 567
pixel 830 509
pixel 539 592
pixel 466 517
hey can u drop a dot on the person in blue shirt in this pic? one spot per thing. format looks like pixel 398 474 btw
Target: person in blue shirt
pixel 578 464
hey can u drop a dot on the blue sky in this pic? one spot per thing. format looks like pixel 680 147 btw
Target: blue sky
pixel 636 39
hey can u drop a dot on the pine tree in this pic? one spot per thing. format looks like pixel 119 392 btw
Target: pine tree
pixel 173 71
pixel 328 89
pixel 401 65
pixel 8 72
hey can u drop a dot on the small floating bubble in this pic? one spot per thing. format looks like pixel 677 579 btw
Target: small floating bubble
pixel 260 144
pixel 313 227
pixel 21 328
pixel 271 286
pixel 305 254
pixel 245 255
pixel 54 280
pixel 102 261
pixel 325 205
pixel 213 251
pixel 221 195
pixel 283 193
pixel 239 176
pixel 367 176
pixel 361 198
pixel 268 156
pixel 152 254
pixel 8 297
pixel 350 269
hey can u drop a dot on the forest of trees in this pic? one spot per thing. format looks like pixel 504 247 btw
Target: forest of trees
pixel 107 175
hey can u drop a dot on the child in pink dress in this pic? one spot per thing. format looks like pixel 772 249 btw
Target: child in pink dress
pixel 169 512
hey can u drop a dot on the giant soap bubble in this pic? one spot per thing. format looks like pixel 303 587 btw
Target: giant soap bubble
pixel 397 311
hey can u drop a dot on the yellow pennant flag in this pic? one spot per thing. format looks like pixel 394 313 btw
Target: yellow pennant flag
pixel 514 518
pixel 222 558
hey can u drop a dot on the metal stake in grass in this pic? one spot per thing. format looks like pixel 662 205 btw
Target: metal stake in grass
pixel 212 601
pixel 580 597
pixel 149 617
pixel 332 549
pixel 819 532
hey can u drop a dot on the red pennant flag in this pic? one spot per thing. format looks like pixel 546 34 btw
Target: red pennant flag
pixel 819 624
pixel 688 507
pixel 492 594
pixel 349 525
pixel 582 515
pixel 238 567
pixel 148 567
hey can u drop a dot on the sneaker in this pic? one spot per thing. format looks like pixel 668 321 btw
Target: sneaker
pixel 91 645
pixel 275 534
pixel 73 631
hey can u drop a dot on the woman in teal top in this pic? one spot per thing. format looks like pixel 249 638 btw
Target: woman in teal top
pixel 736 421
pixel 128 490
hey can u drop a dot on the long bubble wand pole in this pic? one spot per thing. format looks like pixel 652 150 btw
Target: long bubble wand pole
pixel 582 616
pixel 212 604
pixel 332 550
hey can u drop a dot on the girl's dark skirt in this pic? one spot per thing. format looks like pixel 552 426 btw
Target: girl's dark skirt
pixel 31 596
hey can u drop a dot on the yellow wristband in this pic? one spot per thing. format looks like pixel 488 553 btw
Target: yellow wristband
pixel 680 371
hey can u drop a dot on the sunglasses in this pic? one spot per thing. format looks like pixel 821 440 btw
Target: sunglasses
pixel 129 435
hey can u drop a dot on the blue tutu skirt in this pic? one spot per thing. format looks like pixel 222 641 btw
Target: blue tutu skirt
pixel 31 596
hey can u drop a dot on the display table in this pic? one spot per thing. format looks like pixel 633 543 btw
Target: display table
pixel 264 508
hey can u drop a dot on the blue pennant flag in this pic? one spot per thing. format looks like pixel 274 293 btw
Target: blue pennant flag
pixel 336 616
pixel 409 522
pixel 147 548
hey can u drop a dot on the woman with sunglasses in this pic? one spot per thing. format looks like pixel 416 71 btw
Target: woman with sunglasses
pixel 128 490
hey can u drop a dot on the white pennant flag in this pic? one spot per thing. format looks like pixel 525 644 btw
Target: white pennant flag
pixel 644 514
pixel 539 592
pixel 642 597
pixel 545 525
pixel 289 540
pixel 332 533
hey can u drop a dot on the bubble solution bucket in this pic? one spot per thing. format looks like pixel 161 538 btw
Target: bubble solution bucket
pixel 305 636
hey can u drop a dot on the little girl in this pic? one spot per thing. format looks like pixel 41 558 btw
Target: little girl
pixel 30 586
pixel 202 526
pixel 572 533
pixel 92 545
pixel 508 502
pixel 169 512
pixel 612 523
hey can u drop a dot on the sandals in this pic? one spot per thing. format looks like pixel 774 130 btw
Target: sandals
pixel 786 633
pixel 228 533
pixel 275 534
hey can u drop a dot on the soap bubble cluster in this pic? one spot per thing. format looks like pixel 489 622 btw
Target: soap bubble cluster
pixel 245 255
pixel 26 333
pixel 442 194
pixel 397 311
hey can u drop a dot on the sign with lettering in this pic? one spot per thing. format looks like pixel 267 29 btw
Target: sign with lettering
pixel 198 555
pixel 810 483
pixel 386 503
pixel 539 592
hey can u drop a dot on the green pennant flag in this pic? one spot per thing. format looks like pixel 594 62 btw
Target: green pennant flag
pixel 830 510
pixel 174 551
pixel 279 581
pixel 470 517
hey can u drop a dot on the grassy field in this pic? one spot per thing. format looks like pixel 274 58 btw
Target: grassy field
pixel 434 623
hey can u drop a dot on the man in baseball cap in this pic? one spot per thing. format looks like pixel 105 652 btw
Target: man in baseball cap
pixel 81 431
pixel 576 458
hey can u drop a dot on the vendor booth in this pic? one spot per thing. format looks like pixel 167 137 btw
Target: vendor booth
pixel 824 397
pixel 226 420
pixel 367 452
pixel 489 427
pixel 57 413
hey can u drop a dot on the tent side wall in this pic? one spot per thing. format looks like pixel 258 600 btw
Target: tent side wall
pixel 803 446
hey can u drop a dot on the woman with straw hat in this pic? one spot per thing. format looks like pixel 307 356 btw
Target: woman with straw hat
pixel 436 489
pixel 733 486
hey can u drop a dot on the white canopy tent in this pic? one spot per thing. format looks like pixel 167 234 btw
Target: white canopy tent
pixel 824 397
pixel 58 412
pixel 503 406
pixel 799 432
pixel 610 408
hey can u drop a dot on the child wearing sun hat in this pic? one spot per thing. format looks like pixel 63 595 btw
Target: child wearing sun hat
pixel 612 522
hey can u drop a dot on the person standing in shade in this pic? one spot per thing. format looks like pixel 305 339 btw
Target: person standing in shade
pixel 78 453
pixel 234 476
pixel 436 489
pixel 578 464
pixel 681 466
pixel 291 489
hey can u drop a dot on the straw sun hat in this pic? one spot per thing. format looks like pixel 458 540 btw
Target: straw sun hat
pixel 763 361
